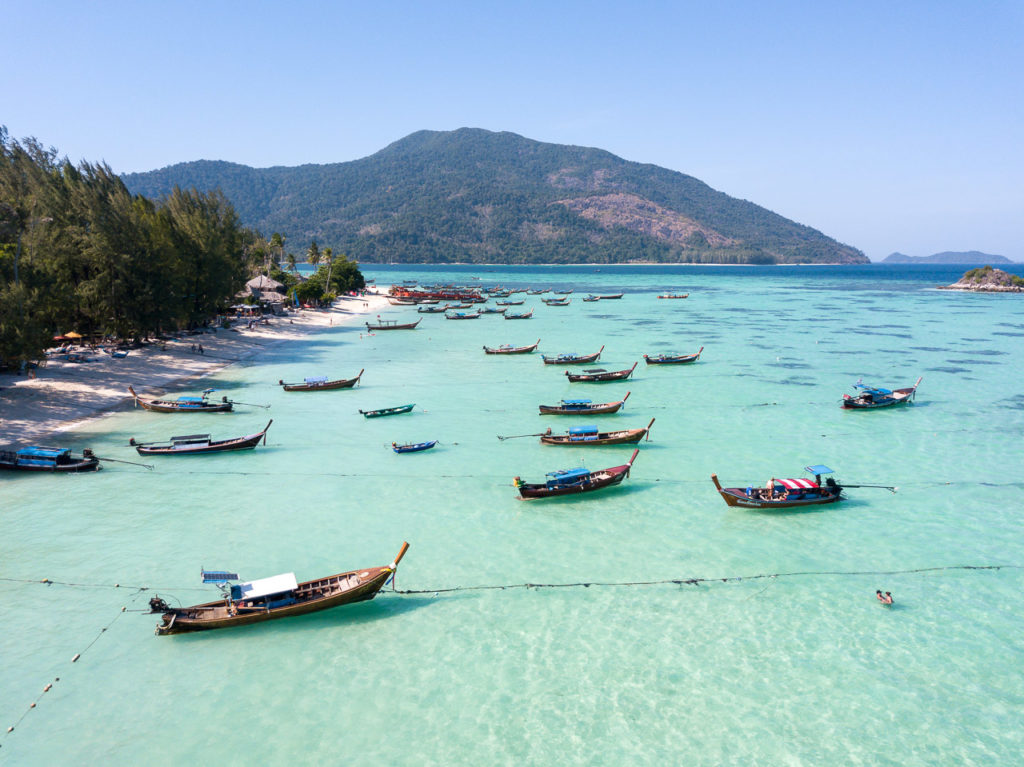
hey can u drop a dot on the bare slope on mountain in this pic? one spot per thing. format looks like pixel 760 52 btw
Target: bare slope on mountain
pixel 477 196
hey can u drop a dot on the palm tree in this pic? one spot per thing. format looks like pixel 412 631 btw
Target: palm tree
pixel 291 263
pixel 313 254
pixel 277 242
pixel 329 258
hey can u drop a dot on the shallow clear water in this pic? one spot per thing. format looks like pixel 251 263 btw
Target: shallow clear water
pixel 803 670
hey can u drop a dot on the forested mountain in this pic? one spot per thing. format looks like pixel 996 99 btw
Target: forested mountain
pixel 472 195
pixel 947 257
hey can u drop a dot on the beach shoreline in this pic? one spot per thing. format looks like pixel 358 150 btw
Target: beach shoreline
pixel 63 396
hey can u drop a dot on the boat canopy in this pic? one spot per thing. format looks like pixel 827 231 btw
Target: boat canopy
pixel 872 389
pixel 317 380
pixel 566 476
pixel 576 401
pixel 192 438
pixel 218 576
pixel 583 430
pixel 275 584
pixel 797 484
pixel 191 400
pixel 819 469
pixel 49 453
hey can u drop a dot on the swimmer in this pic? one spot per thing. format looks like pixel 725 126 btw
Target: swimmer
pixel 885 599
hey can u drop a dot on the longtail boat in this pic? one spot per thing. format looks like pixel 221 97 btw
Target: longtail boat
pixel 583 407
pixel 387 411
pixel 520 302
pixel 537 292
pixel 563 292
pixel 509 349
pixel 557 301
pixel 600 375
pixel 572 358
pixel 784 493
pixel 279 596
pixel 586 436
pixel 673 359
pixel 674 295
pixel 183 404
pixel 400 301
pixel 591 299
pixel 611 297
pixel 321 383
pixel 430 309
pixel 392 325
pixel 575 481
pixel 449 307
pixel 493 310
pixel 55 459
pixel 195 444
pixel 463 316
pixel 414 447
pixel 513 316
pixel 871 397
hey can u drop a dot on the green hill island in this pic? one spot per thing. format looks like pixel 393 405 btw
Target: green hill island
pixel 476 196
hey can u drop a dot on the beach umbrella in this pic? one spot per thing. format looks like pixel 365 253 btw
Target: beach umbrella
pixel 72 334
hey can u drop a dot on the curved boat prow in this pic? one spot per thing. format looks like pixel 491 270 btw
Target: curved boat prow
pixel 647 431
pixel 405 548
pixel 626 397
pixel 718 486
pixel 629 464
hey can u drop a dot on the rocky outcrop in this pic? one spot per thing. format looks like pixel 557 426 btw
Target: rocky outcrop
pixel 988 280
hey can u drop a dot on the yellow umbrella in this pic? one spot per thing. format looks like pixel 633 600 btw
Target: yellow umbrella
pixel 72 334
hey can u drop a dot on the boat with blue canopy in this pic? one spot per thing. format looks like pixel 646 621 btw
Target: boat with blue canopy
pixel 583 407
pixel 673 358
pixel 397 410
pixel 53 459
pixel 520 316
pixel 320 383
pixel 186 404
pixel 575 481
pixel 413 447
pixel 871 397
pixel 590 435
pixel 279 596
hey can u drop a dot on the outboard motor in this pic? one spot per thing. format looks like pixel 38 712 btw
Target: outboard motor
pixel 157 605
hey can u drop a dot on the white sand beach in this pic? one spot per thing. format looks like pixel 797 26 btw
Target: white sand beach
pixel 64 394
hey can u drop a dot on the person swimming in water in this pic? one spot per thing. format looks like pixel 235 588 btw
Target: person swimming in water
pixel 885 599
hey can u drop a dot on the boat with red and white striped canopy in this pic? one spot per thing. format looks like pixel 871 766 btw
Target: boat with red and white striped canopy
pixel 784 493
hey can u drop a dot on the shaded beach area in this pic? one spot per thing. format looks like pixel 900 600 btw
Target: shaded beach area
pixel 63 394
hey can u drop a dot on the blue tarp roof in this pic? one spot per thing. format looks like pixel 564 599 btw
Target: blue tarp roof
pixel 218 576
pixel 190 399
pixel 819 469
pixel 583 430
pixel 576 401
pixel 41 452
pixel 316 380
pixel 872 389
pixel 563 475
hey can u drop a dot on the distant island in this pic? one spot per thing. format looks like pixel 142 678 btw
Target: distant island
pixel 988 280
pixel 475 196
pixel 947 257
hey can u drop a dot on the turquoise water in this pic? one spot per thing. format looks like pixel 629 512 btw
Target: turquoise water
pixel 803 670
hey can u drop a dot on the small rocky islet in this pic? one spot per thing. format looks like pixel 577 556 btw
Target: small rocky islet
pixel 987 279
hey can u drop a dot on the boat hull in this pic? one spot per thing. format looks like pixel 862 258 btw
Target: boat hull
pixel 74 467
pixel 387 411
pixel 618 375
pixel 404 326
pixel 216 615
pixel 342 383
pixel 900 397
pixel 737 497
pixel 598 480
pixel 625 437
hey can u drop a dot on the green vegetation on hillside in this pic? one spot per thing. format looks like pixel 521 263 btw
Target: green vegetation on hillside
pixel 476 196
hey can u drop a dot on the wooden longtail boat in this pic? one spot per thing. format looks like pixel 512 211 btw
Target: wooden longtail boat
pixel 611 297
pixel 509 349
pixel 322 384
pixel 387 411
pixel 537 292
pixel 268 598
pixel 575 481
pixel 449 307
pixel 392 325
pixel 430 309
pixel 195 444
pixel 512 316
pixel 586 436
pixel 784 493
pixel 583 407
pixel 54 459
pixel 673 359
pixel 400 301
pixel 871 397
pixel 183 404
pixel 520 302
pixel 493 310
pixel 591 299
pixel 414 447
pixel 563 292
pixel 463 316
pixel 572 358
pixel 599 375
pixel 557 301
pixel 674 295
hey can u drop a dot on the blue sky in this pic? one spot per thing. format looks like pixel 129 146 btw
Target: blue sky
pixel 887 125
